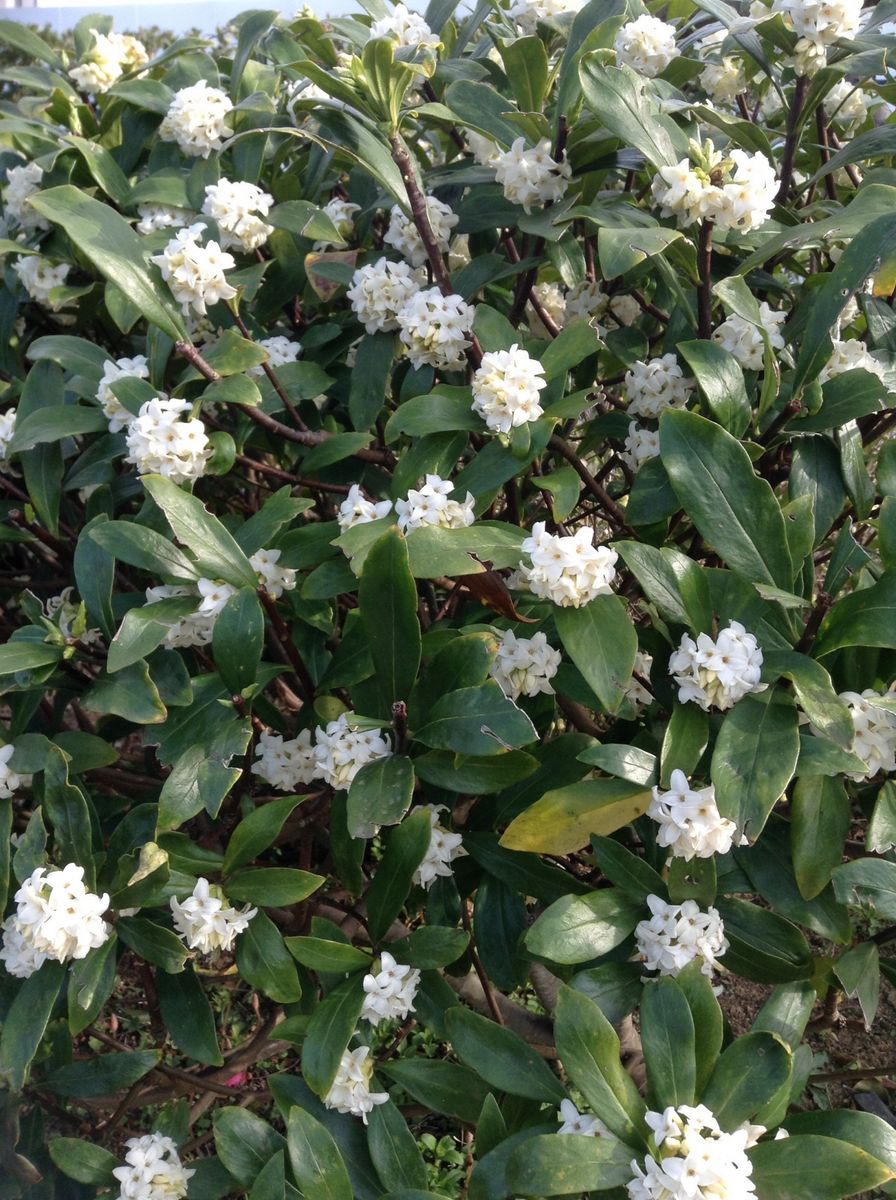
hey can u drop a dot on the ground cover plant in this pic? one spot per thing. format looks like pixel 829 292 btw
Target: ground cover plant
pixel 449 603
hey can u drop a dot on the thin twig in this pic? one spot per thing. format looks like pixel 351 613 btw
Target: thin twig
pixel 478 967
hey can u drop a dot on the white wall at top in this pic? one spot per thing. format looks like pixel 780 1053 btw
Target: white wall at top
pixel 204 15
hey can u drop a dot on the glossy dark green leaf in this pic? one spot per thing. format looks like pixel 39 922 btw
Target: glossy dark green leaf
pixel 188 1016
pixel 864 618
pixel 501 1057
pixel 721 382
pixel 820 817
pixel 601 640
pixel 557 1166
pixel 387 596
pixel 755 758
pixel 746 1076
pixel 257 831
pixel 218 555
pixel 264 961
pixel 763 946
pixel 153 943
pixel 83 1161
pixel 380 794
pixel 26 1021
pixel 394 1150
pixel 316 1163
pixel 669 1042
pixel 245 1143
pixel 579 928
pixel 238 639
pixel 392 882
pixel 102 1075
pixel 812 1167
pixel 329 1032
pixel 445 1087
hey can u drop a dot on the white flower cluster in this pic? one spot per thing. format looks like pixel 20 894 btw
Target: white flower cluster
pixel 743 340
pixel 743 201
pixel 647 45
pixel 163 440
pixel 432 505
pixel 695 1159
pixel 284 763
pixel 403 235
pixel 677 934
pixel 153 1170
pixel 389 993
pixel 434 329
pixel 532 176
pixel 818 24
pixel 525 666
pixel 444 847
pixel 195 629
pixel 195 273
pixel 161 216
pixel 38 278
pixel 205 922
pixel 689 820
pixel 196 119
pixel 113 370
pixel 56 918
pixel 110 56
pixel 350 1091
pixel 281 352
pixel 875 732
pixel 527 13
pixel 656 385
pixel 64 612
pixel 379 291
pixel 405 27
pixel 506 389
pixel 569 571
pixel 574 1122
pixel 342 214
pixel 10 780
pixel 847 104
pixel 341 749
pixel 21 184
pixel 723 79
pixel 717 673
pixel 640 445
pixel 271 576
pixel 238 207
pixel 7 433
pixel 850 355
pixel 355 509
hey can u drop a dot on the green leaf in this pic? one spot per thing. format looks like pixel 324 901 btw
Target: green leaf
pixel 881 832
pixel 153 943
pixel 564 819
pixel 626 870
pixel 27 656
pixel 22 37
pixel 814 693
pixel 763 946
pixel 264 962
pixel 244 1143
pixel 405 850
pixel 746 1077
pixel 478 721
pixel 820 818
pixel 868 882
pixel 578 928
pixel 370 378
pixel 755 758
pixel 485 110
pixel 115 250
pixel 589 1050
pixel 218 555
pixel 270 1183
pixel 526 66
pixel 548 1165
pixel 90 985
pixel 380 794
pixel 129 693
pixel 445 1087
pixel 83 1161
pixel 621 98
pixel 809 1167
pixel 721 382
pixel 668 1038
pixel 329 1032
pixel 734 510
pixel 101 1075
pixel 864 618
pixel 274 886
pixel 471 775
pixel 870 1133
pixel 394 1150
pixel 316 1163
pixel 601 640
pixel 55 423
pixel 257 831
pixel 238 639
pixel 142 547
pixel 859 972
pixel 501 1057
pixel 144 629
pixel 26 1021
pixel 188 1016
pixel 387 598
pixel 332 958
pixel 671 581
pixel 431 947
pixel 445 408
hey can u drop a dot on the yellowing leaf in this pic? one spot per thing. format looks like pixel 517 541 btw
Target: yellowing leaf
pixel 563 820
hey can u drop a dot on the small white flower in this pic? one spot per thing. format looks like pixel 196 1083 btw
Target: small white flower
pixel 380 290
pixel 484 150
pixel 677 934
pixel 574 1122
pixel 238 207
pixel 281 351
pixel 850 355
pixel 432 505
pixel 205 922
pixel 342 214
pixel 196 119
pixel 656 385
pixel 444 847
pixel 435 328
pixel 21 184
pixel 647 45
pixel 691 825
pixel 161 216
pixel 153 1170
pixel 195 629
pixel 723 77
pixel 389 993
pixel 56 917
pixel 875 732
pixel 525 666
pixel 113 370
pixel 847 104
pixel 640 445
pixel 38 278
pixel 18 952
pixel 406 28
pixel 274 579
pixel 350 1091
pixel 743 339
pixel 552 300
pixel 506 388
pixel 10 780
pixel 195 273
pixel 342 748
pixel 531 176
pixel 285 763
pixel 716 674
pixel 214 595
pixel 356 510
pixel 404 236
pixel 569 571
pixel 110 56
pixel 7 433
pixel 163 440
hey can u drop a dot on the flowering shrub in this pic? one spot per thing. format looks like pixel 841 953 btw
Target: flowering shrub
pixel 449 598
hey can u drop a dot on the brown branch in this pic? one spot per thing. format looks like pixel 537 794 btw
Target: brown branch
pixel 419 215
pixel 481 973
pixel 789 156
pixel 601 495
pixel 704 268
pixel 824 150
pixel 271 377
pixel 289 646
